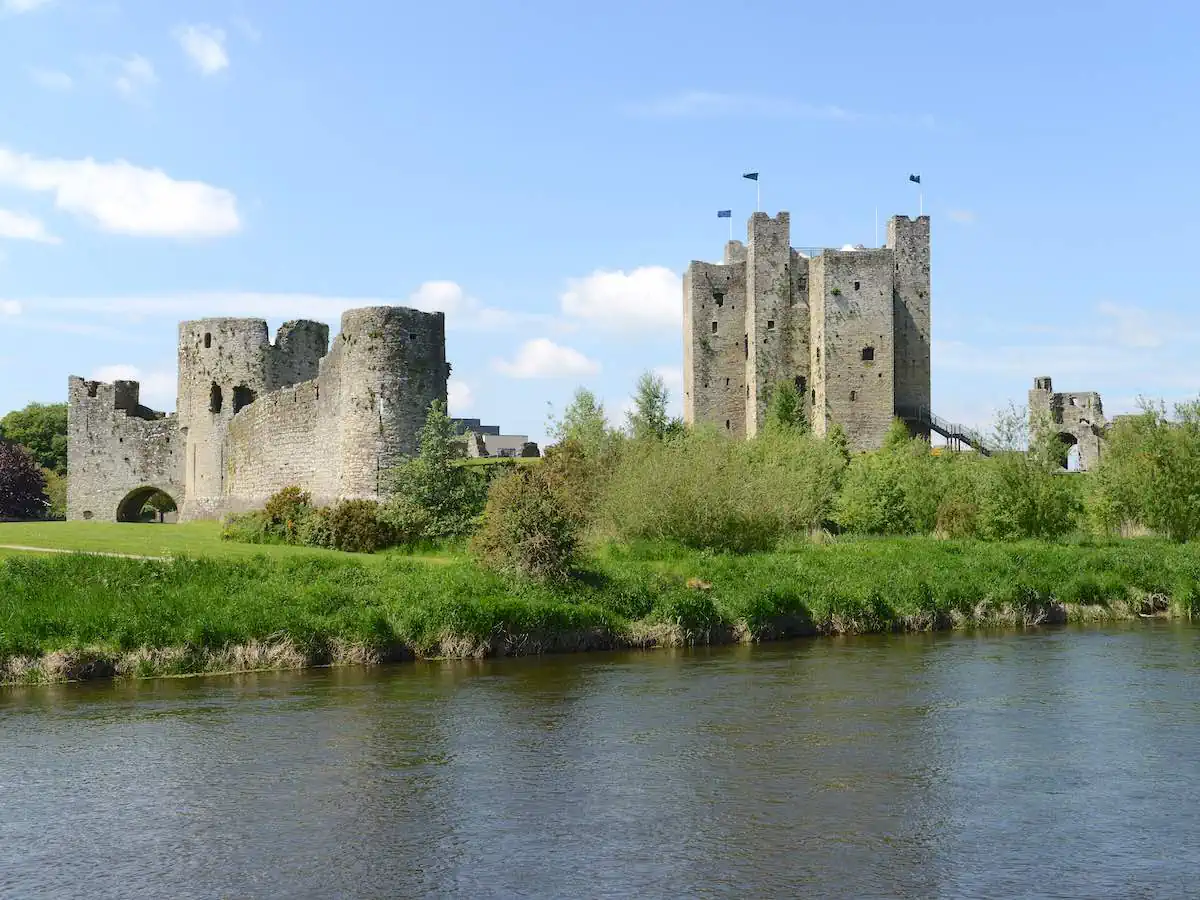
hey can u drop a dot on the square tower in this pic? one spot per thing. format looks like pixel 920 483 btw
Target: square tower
pixel 908 239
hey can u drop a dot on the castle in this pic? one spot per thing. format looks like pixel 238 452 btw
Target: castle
pixel 254 416
pixel 850 328
pixel 1076 416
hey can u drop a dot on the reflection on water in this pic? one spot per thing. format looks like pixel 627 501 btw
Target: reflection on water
pixel 1059 763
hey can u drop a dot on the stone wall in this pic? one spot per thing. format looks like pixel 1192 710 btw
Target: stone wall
pixel 118 451
pixel 853 358
pixel 337 435
pixel 768 312
pixel 226 364
pixel 714 347
pixel 909 241
pixel 1076 416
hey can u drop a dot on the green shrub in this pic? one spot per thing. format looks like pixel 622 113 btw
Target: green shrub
pixel 1025 496
pixel 532 523
pixel 286 510
pixel 451 495
pixel 708 492
pixel 248 528
pixel 56 494
pixel 355 527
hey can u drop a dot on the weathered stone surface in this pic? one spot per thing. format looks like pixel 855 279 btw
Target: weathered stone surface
pixel 1077 416
pixel 255 416
pixel 850 328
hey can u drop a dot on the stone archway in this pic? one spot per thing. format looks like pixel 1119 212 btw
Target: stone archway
pixel 130 509
pixel 1071 458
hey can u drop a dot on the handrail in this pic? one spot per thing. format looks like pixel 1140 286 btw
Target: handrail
pixel 953 431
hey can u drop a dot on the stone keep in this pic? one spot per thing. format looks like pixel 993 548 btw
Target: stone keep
pixel 850 328
pixel 254 416
pixel 1076 416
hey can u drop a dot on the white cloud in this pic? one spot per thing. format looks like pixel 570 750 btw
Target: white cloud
pixel 459 397
pixel 1132 326
pixel 961 216
pixel 123 198
pixel 542 358
pixel 16 7
pixel 132 76
pixel 204 46
pixel 51 79
pixel 24 227
pixel 158 388
pixel 10 308
pixel 647 297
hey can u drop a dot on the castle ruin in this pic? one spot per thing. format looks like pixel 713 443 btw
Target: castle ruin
pixel 254 416
pixel 850 328
pixel 1077 417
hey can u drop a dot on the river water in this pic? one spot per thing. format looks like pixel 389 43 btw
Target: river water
pixel 1057 763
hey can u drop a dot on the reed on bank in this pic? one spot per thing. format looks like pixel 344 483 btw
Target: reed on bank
pixel 76 616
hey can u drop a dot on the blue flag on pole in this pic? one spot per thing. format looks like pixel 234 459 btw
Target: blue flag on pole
pixel 724 213
pixel 753 176
pixel 916 178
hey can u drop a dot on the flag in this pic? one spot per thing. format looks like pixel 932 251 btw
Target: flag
pixel 916 178
pixel 724 213
pixel 753 176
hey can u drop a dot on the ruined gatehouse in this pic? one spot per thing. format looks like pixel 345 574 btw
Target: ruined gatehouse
pixel 256 415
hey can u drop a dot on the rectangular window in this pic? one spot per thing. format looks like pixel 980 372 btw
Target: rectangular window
pixel 714 327
pixel 746 346
pixel 801 383
pixel 853 396
pixel 868 354
pixel 719 297
pixel 770 324
pixel 856 284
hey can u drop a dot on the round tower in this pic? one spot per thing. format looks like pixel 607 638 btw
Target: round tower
pixel 224 365
pixel 392 366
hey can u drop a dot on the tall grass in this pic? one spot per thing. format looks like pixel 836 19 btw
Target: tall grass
pixel 327 609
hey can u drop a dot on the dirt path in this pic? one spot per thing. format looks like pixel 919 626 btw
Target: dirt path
pixel 22 549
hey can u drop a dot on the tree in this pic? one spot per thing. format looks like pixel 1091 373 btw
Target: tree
pixel 42 429
pixel 584 422
pixel 1010 430
pixel 431 496
pixel 648 419
pixel 22 485
pixel 161 503
pixel 785 409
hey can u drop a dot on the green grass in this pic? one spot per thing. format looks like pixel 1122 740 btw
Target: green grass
pixel 388 605
pixel 191 539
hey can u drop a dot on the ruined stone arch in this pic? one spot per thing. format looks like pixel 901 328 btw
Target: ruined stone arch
pixel 131 505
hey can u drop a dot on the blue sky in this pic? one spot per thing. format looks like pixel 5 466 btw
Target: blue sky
pixel 543 172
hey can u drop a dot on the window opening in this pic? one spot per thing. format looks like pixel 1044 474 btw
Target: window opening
pixel 853 396
pixel 207 340
pixel 242 397
pixel 719 297
pixel 215 400
pixel 868 354
pixel 714 327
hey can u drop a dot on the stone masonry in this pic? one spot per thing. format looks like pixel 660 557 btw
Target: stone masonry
pixel 850 328
pixel 256 416
pixel 1077 417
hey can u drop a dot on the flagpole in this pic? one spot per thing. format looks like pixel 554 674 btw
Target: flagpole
pixel 731 227
pixel 757 195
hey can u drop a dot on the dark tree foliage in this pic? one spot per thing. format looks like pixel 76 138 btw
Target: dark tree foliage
pixel 42 428
pixel 22 484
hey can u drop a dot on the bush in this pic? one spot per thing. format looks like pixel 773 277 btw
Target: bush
pixel 451 496
pixel 355 527
pixel 1149 474
pixel 286 511
pixel 248 528
pixel 22 484
pixel 1024 496
pixel 532 523
pixel 706 491
pixel 56 495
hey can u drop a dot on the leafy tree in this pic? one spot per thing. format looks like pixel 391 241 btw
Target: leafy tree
pixel 432 494
pixel 22 484
pixel 1010 430
pixel 785 409
pixel 1149 473
pixel 836 436
pixel 42 429
pixel 584 422
pixel 56 494
pixel 649 419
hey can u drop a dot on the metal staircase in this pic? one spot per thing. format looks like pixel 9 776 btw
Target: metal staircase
pixel 956 434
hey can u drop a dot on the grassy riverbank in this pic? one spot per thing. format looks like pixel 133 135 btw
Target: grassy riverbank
pixel 74 616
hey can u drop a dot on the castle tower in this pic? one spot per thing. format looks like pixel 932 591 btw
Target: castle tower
pixel 852 346
pixel 391 366
pixel 225 364
pixel 908 239
pixel 714 361
pixel 1076 416
pixel 768 312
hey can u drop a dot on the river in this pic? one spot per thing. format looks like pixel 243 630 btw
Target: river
pixel 1057 763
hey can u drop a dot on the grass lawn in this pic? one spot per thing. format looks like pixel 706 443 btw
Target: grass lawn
pixel 190 539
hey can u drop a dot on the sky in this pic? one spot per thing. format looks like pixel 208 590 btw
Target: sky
pixel 543 172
